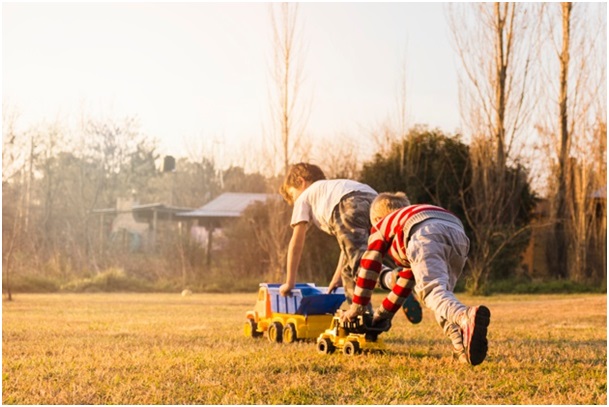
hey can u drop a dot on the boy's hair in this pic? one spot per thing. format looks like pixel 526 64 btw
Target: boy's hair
pixel 306 171
pixel 387 202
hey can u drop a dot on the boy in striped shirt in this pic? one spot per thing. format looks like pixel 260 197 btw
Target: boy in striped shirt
pixel 429 242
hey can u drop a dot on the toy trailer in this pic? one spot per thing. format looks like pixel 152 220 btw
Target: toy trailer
pixel 303 315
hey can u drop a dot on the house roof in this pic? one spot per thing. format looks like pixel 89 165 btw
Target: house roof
pixel 227 205
pixel 146 212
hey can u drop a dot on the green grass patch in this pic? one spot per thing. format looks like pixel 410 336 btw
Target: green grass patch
pixel 522 286
pixel 169 349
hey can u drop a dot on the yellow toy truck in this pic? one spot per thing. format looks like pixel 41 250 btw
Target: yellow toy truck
pixel 352 337
pixel 302 316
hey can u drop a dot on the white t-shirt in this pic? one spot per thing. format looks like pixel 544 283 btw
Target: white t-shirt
pixel 317 202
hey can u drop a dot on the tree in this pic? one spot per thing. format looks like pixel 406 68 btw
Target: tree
pixel 574 139
pixel 437 169
pixel 12 210
pixel 23 152
pixel 289 111
pixel 261 238
pixel 338 155
pixel 234 179
pixel 494 45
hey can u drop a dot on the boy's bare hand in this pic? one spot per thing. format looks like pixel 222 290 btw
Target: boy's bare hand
pixel 348 315
pixel 333 286
pixel 285 289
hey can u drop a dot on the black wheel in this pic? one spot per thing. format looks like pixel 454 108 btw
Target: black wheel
pixel 351 348
pixel 325 346
pixel 289 333
pixel 251 329
pixel 275 332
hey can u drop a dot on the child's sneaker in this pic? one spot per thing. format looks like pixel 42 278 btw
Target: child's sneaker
pixel 412 309
pixel 453 331
pixel 474 324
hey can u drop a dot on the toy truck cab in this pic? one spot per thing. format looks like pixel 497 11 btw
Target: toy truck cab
pixel 303 315
pixel 352 337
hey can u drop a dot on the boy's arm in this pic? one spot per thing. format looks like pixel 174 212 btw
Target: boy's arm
pixel 398 294
pixel 295 247
pixel 370 267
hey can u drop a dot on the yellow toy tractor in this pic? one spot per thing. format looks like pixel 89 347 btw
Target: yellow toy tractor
pixel 352 337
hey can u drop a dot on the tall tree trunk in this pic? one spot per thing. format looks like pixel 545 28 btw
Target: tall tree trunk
pixel 560 230
pixel 500 85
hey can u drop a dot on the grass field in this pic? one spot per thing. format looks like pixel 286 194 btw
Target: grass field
pixel 168 349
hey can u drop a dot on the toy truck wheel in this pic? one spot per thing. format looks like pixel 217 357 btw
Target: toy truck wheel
pixel 275 332
pixel 351 348
pixel 251 329
pixel 289 333
pixel 325 346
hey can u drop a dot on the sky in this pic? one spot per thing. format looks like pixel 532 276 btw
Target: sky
pixel 198 74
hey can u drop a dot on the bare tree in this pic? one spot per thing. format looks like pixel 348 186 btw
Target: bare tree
pixel 402 113
pixel 561 195
pixel 574 145
pixel 13 144
pixel 494 44
pixel 339 155
pixel 12 166
pixel 289 108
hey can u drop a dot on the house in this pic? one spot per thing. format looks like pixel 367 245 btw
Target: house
pixel 133 223
pixel 216 213
pixel 138 225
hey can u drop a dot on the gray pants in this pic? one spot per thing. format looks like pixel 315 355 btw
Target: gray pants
pixel 437 251
pixel 350 224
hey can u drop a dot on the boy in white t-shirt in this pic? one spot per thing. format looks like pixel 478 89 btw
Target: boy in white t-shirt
pixel 339 207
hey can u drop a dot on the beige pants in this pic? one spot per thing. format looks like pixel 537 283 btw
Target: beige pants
pixel 437 252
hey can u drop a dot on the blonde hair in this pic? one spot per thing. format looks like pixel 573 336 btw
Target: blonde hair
pixel 387 202
pixel 306 171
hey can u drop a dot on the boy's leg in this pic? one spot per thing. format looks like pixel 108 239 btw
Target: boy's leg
pixel 437 253
pixel 412 309
pixel 434 255
pixel 453 332
pixel 350 224
pixel 474 325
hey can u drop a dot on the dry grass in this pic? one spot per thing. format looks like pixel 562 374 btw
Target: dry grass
pixel 168 349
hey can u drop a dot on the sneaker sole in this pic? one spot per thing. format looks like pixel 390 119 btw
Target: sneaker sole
pixel 412 309
pixel 478 346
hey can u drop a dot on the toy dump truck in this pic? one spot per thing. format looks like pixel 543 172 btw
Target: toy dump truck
pixel 352 337
pixel 301 316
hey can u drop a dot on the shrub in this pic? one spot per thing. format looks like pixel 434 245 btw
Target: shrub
pixel 111 280
pixel 31 284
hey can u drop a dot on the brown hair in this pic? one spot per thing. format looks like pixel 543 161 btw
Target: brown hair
pixel 306 171
pixel 387 202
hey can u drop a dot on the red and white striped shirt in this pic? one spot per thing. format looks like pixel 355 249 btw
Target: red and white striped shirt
pixel 390 236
